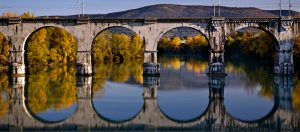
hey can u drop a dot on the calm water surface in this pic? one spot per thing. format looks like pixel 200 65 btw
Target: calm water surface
pixel 116 97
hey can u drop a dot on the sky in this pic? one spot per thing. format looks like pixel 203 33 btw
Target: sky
pixel 70 7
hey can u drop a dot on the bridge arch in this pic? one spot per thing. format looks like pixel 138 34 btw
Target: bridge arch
pixel 34 31
pixel 166 29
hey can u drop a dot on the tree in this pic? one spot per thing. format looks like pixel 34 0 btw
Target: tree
pixel 111 47
pixel 4 50
pixel 51 46
pixel 9 14
pixel 176 42
pixel 28 15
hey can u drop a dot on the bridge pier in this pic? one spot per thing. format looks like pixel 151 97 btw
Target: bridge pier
pixel 17 69
pixel 216 37
pixel 216 65
pixel 84 63
pixel 151 67
pixel 286 38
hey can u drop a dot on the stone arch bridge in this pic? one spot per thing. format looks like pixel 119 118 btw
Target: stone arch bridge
pixel 215 117
pixel 215 29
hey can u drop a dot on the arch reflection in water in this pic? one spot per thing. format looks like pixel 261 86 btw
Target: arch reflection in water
pixel 184 94
pixel 119 102
pixel 249 91
pixel 50 95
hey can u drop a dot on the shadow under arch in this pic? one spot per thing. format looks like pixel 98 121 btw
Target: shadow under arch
pixel 28 38
pixel 40 119
pixel 189 120
pixel 102 116
pixel 195 27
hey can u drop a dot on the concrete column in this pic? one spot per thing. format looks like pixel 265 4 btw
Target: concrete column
pixel 17 65
pixel 84 63
pixel 151 67
pixel 284 56
pixel 216 38
pixel 216 63
pixel 84 87
pixel 17 69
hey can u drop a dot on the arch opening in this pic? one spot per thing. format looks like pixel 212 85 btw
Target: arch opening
pixel 117 45
pixel 183 94
pixel 250 92
pixel 117 56
pixel 50 46
pixel 184 40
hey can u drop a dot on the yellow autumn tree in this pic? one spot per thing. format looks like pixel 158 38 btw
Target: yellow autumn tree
pixel 9 14
pixel 51 46
pixel 111 47
pixel 52 87
pixel 176 42
pixel 4 50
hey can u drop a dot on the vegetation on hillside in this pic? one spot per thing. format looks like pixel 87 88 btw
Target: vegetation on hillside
pixel 51 46
pixel 10 14
pixel 4 50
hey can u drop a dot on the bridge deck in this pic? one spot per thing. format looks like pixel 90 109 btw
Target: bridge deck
pixel 151 20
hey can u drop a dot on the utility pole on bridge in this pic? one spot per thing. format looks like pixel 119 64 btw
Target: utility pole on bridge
pixel 280 8
pixel 80 8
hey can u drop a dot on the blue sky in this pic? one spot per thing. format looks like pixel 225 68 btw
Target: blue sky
pixel 68 7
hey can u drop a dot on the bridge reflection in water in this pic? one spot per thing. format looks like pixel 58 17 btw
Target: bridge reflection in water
pixel 213 102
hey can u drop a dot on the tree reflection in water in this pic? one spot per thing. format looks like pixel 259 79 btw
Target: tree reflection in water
pixel 296 93
pixel 51 88
pixel 4 95
pixel 119 73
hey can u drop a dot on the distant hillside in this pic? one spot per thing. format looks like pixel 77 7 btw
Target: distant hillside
pixel 188 11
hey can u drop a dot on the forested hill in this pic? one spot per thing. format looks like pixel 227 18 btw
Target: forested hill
pixel 187 11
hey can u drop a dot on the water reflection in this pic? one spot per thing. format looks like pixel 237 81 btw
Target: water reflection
pixel 249 90
pixel 183 92
pixel 4 97
pixel 118 91
pixel 51 93
pixel 296 94
pixel 181 96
